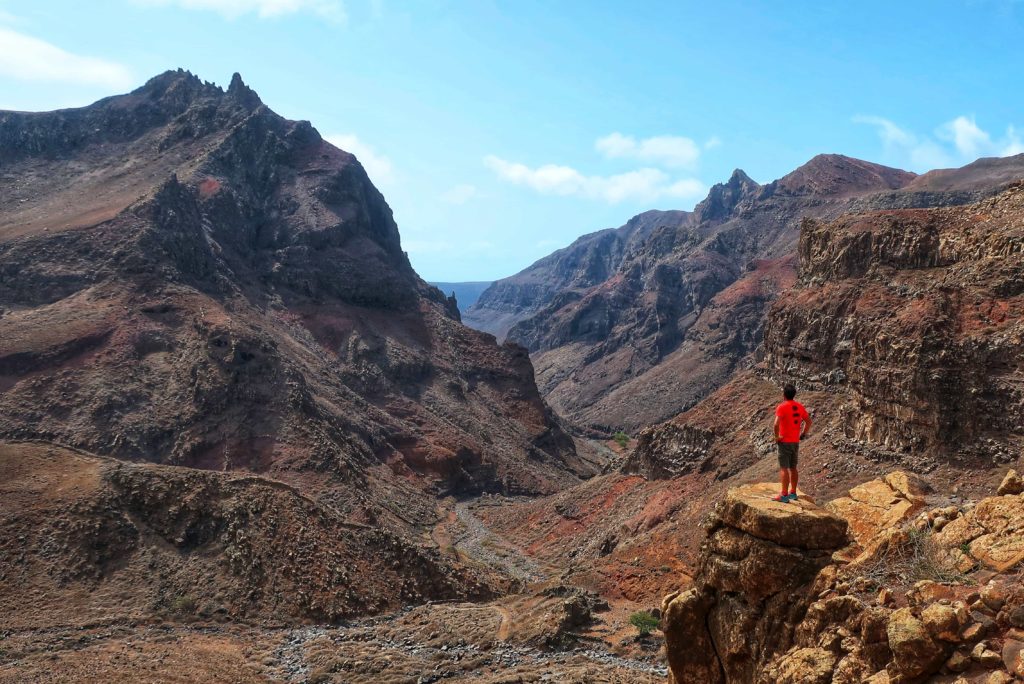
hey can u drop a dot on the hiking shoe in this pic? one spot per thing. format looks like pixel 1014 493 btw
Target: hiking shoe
pixel 781 498
pixel 791 496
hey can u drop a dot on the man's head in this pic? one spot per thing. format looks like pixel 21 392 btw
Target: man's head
pixel 789 392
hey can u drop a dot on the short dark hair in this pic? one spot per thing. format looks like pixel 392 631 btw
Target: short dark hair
pixel 789 391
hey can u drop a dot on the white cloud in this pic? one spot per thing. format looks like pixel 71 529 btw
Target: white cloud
pixel 31 59
pixel 1013 143
pixel 712 142
pixel 644 185
pixel 970 140
pixel 955 142
pixel 333 10
pixel 378 167
pixel 459 194
pixel 673 151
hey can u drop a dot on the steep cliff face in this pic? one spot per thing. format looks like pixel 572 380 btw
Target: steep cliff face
pixel 188 279
pixel 904 331
pixel 915 318
pixel 752 587
pixel 645 331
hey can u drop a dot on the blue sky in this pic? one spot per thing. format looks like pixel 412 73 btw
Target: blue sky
pixel 500 131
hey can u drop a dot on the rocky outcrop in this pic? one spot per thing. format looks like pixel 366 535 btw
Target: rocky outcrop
pixel 676 450
pixel 752 587
pixel 879 505
pixel 899 613
pixel 990 534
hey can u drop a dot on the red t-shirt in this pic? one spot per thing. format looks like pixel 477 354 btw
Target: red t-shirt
pixel 790 415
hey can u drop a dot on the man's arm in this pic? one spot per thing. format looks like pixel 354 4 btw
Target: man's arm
pixel 807 428
pixel 778 435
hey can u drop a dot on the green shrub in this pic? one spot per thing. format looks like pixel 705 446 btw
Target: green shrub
pixel 184 604
pixel 644 622
pixel 621 438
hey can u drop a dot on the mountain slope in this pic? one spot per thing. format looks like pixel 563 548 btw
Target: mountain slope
pixel 188 279
pixel 588 261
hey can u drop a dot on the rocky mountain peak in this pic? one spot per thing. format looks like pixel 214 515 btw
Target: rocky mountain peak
pixel 245 95
pixel 724 198
pixel 180 89
pixel 836 175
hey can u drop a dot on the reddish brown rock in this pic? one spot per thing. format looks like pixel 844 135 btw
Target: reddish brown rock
pixel 799 524
pixel 753 583
pixel 993 532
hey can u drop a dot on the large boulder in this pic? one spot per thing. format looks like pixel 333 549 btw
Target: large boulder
pixel 879 505
pixel 915 652
pixel 1011 484
pixel 799 524
pixel 992 532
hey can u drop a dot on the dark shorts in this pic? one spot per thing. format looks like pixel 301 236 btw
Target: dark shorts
pixel 787 454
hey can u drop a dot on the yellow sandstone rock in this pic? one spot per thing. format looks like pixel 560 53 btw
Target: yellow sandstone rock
pixel 880 505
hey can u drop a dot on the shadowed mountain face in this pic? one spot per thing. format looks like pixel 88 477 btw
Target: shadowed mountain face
pixel 684 306
pixel 588 261
pixel 188 279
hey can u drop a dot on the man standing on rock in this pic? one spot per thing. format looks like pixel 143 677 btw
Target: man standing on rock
pixel 792 424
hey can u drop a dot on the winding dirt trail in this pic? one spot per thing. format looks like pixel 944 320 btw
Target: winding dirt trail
pixel 505 628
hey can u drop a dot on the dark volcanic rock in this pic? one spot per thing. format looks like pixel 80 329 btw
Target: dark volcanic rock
pixel 902 322
pixel 245 285
pixel 588 261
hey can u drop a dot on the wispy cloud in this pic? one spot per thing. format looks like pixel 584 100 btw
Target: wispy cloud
pixel 28 58
pixel 954 142
pixel 972 141
pixel 378 166
pixel 332 10
pixel 459 194
pixel 672 151
pixel 645 185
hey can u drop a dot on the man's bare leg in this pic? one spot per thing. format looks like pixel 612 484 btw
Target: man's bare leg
pixel 784 480
pixel 794 478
